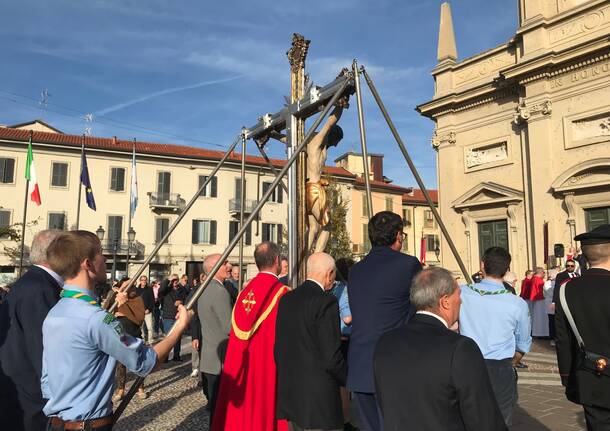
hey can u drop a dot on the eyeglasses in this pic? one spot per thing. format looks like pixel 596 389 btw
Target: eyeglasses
pixel 570 266
pixel 403 234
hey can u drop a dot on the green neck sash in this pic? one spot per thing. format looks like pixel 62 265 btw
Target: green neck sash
pixel 78 295
pixel 488 292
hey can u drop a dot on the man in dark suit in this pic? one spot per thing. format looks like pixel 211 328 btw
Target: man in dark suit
pixel 428 377
pixel 379 299
pixel 21 317
pixel 588 300
pixel 564 276
pixel 307 352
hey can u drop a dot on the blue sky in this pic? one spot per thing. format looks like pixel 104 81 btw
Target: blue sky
pixel 195 72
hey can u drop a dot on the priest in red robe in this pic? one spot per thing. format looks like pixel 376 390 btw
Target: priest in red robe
pixel 248 383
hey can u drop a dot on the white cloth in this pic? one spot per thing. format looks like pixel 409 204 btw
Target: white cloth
pixel 540 320
pixel 427 313
pixel 549 287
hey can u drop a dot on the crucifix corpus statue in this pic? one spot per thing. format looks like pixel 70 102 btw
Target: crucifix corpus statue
pixel 318 215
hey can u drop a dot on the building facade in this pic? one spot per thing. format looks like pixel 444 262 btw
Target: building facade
pixel 168 177
pixel 522 133
pixel 421 229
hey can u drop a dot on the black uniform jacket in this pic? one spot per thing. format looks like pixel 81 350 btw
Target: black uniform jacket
pixel 21 316
pixel 429 378
pixel 308 356
pixel 588 298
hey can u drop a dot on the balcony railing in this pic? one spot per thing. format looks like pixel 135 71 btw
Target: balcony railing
pixel 235 206
pixel 136 248
pixel 166 201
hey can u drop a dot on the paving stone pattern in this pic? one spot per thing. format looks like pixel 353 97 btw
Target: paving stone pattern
pixel 175 401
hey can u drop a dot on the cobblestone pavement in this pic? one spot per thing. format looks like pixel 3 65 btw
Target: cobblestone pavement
pixel 175 401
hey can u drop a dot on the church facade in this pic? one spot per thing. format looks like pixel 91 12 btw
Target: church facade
pixel 522 134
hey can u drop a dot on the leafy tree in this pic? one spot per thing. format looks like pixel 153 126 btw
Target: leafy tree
pixel 339 245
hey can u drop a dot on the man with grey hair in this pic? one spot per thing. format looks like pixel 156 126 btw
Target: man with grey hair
pixel 428 377
pixel 308 339
pixel 214 310
pixel 25 308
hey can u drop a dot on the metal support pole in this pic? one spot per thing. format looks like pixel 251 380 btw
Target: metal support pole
pixel 25 212
pixel 365 157
pixel 80 183
pixel 420 183
pixel 242 203
pixel 293 244
pixel 270 165
pixel 191 302
pixel 113 273
pixel 174 225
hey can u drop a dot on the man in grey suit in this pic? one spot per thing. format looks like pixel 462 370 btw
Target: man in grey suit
pixel 214 310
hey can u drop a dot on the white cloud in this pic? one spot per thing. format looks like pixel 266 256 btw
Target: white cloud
pixel 152 95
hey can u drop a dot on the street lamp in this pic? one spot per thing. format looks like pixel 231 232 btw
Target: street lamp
pixel 437 252
pixel 131 236
pixel 115 244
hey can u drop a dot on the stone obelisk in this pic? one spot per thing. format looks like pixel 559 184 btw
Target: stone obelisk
pixel 296 57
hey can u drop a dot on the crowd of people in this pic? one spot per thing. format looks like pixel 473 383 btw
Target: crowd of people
pixel 414 348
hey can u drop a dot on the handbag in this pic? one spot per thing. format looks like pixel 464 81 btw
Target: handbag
pixel 586 360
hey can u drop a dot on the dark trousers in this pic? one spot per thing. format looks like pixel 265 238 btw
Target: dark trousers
pixel 551 326
pixel 167 325
pixel 503 379
pixel 369 411
pixel 597 418
pixel 210 390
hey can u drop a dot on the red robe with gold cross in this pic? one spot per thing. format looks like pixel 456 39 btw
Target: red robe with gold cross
pixel 248 383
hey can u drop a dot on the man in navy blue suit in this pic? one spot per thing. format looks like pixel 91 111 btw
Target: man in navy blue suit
pixel 21 316
pixel 379 288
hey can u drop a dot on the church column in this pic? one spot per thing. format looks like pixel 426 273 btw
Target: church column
pixel 568 200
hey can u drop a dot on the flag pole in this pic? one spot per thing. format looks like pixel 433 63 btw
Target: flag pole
pixel 80 182
pixel 133 156
pixel 25 213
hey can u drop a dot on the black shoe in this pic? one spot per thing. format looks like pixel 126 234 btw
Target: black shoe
pixel 347 426
pixel 177 359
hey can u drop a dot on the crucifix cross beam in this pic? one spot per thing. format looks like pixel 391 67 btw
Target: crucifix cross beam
pixel 303 108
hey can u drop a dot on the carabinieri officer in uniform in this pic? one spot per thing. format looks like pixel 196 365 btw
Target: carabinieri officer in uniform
pixel 82 343
pixel 584 365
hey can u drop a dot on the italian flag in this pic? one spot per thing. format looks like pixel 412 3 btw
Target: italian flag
pixel 30 175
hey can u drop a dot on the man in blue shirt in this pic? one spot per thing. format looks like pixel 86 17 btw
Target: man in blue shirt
pixel 499 323
pixel 82 343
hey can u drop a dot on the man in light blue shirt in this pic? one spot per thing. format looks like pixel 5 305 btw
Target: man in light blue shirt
pixel 82 343
pixel 499 323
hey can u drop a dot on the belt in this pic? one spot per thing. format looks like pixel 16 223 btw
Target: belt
pixel 81 425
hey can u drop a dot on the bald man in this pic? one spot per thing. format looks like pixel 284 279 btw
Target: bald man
pixel 214 310
pixel 25 308
pixel 308 339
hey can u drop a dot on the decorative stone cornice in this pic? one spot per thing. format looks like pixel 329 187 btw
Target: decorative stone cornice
pixel 446 138
pixel 524 113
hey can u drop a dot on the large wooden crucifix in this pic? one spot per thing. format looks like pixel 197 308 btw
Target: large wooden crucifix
pixel 297 223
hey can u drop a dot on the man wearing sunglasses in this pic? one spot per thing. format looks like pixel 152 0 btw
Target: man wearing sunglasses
pixel 562 277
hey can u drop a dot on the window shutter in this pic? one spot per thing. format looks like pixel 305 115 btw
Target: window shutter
pixel 195 238
pixel 201 181
pixel 279 233
pixel 232 229
pixel 249 235
pixel 214 192
pixel 121 179
pixel 212 231
pixel 265 188
pixel 280 193
pixel 265 232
